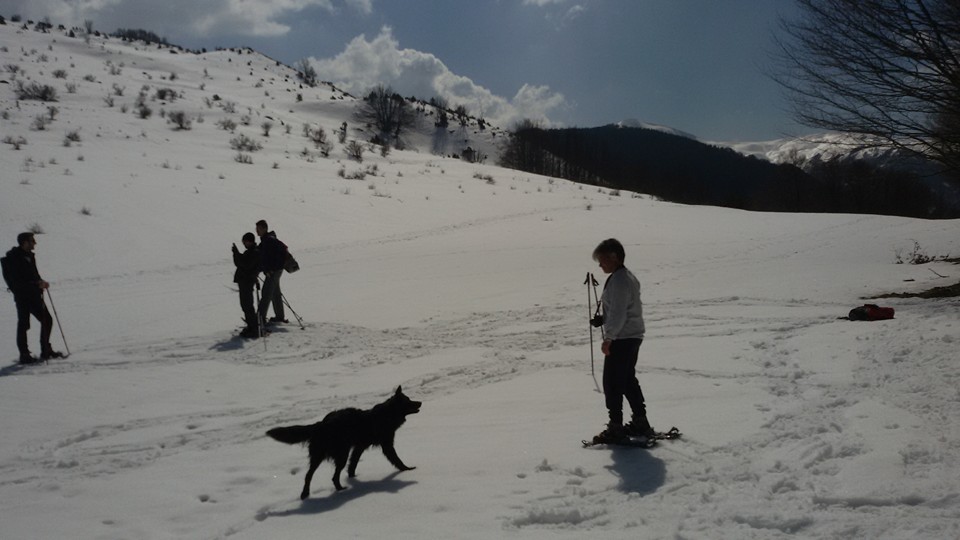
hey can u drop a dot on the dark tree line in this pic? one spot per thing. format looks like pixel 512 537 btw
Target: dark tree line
pixel 132 34
pixel 684 170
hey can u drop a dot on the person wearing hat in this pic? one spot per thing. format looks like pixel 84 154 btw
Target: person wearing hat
pixel 23 279
pixel 248 268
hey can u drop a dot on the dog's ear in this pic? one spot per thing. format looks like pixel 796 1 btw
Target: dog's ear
pixel 399 391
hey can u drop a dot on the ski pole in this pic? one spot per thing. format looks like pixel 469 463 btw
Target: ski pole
pixel 597 298
pixel 286 303
pixel 260 333
pixel 593 372
pixel 55 316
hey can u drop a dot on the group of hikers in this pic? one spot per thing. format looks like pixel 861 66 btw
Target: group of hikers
pixel 621 319
pixel 269 257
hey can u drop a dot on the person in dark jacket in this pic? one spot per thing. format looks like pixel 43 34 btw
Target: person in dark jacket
pixel 21 275
pixel 248 268
pixel 273 254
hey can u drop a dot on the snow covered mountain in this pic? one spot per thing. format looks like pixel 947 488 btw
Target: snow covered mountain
pixel 799 149
pixel 462 282
pixel 634 123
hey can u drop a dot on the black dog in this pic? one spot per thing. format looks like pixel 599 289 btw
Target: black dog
pixel 338 432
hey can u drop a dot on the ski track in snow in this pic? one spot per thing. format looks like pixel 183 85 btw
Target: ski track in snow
pixel 808 430
pixel 811 426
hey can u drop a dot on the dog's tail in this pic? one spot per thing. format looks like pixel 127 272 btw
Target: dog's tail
pixel 292 434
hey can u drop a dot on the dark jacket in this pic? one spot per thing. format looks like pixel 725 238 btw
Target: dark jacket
pixel 22 274
pixel 273 253
pixel 248 265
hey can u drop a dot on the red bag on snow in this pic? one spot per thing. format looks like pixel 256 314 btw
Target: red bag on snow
pixel 871 312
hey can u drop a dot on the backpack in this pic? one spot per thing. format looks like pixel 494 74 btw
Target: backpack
pixel 290 265
pixel 870 312
pixel 6 272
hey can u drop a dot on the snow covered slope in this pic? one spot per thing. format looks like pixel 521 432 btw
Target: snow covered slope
pixel 464 284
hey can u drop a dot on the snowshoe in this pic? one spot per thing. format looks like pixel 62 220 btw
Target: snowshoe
pixel 47 355
pixel 27 360
pixel 622 438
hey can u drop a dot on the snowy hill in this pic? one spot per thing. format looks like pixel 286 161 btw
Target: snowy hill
pixel 464 284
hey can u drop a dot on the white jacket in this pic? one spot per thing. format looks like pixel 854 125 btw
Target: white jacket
pixel 622 309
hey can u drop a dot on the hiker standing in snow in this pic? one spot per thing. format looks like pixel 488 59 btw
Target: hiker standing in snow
pixel 23 279
pixel 248 268
pixel 273 254
pixel 623 331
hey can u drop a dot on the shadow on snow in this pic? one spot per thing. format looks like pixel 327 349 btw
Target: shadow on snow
pixel 357 489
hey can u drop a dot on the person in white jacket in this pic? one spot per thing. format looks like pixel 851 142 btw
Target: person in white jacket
pixel 623 331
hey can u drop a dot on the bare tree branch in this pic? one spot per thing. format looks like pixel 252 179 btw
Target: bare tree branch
pixel 886 71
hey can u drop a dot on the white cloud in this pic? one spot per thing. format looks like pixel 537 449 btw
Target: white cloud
pixel 557 13
pixel 208 17
pixel 363 6
pixel 364 64
pixel 541 3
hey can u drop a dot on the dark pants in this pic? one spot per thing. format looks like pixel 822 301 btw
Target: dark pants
pixel 247 304
pixel 271 294
pixel 27 306
pixel 620 379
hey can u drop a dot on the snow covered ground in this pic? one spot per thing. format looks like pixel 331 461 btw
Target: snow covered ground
pixel 464 284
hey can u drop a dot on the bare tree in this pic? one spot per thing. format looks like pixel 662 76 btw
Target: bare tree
pixel 387 111
pixel 306 72
pixel 887 71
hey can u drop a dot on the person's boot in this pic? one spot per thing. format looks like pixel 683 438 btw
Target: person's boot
pixel 49 353
pixel 250 332
pixel 27 359
pixel 613 434
pixel 640 427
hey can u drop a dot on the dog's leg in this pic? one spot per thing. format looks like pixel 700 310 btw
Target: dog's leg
pixel 340 461
pixel 355 460
pixel 393 458
pixel 315 461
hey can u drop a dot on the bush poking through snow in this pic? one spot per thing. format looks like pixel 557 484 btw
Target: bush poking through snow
pixel 918 256
pixel 485 177
pixel 166 94
pixel 16 142
pixel 227 125
pixel 354 151
pixel 39 123
pixel 179 119
pixel 35 91
pixel 243 143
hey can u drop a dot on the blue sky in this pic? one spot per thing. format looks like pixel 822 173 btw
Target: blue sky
pixel 693 65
